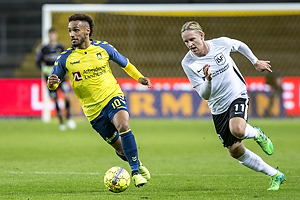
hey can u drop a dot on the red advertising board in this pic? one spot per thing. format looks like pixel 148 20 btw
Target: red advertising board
pixel 22 97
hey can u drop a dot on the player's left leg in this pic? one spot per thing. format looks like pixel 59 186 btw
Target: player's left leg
pixel 254 162
pixel 121 122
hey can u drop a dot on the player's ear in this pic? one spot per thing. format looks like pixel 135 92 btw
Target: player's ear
pixel 88 30
pixel 202 34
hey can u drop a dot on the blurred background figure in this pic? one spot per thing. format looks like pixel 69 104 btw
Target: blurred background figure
pixel 45 58
pixel 274 80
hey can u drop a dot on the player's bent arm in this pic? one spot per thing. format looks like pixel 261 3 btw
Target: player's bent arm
pixel 259 65
pixel 132 71
pixel 246 51
pixel 204 89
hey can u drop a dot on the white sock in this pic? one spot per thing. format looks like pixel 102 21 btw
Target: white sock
pixel 253 161
pixel 250 132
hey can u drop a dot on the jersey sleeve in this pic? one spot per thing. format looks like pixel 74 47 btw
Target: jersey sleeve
pixel 242 48
pixel 114 55
pixel 59 67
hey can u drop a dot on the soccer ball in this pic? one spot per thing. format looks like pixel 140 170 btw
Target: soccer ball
pixel 116 179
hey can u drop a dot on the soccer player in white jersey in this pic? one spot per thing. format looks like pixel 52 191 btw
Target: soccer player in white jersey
pixel 101 97
pixel 216 78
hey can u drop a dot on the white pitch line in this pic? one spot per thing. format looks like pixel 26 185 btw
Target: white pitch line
pixel 56 173
pixel 98 173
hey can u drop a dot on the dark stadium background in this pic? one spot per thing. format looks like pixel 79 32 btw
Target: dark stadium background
pixel 20 28
pixel 155 48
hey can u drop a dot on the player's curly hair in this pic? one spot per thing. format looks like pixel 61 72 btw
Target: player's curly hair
pixel 83 17
pixel 191 26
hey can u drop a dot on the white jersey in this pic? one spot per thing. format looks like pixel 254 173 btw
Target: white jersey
pixel 227 82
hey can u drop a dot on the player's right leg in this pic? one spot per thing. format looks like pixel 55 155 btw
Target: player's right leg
pixel 235 146
pixel 276 180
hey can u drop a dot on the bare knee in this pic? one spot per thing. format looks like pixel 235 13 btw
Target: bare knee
pixel 238 131
pixel 237 127
pixel 121 121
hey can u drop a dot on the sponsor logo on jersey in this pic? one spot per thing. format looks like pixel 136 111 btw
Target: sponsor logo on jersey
pixel 76 62
pixel 220 59
pixel 77 76
pixel 220 71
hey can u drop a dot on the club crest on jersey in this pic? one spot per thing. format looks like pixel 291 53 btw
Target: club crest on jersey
pixel 99 56
pixel 220 59
pixel 77 76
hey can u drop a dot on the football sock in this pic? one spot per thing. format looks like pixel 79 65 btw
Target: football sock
pixel 130 149
pixel 121 156
pixel 254 162
pixel 250 132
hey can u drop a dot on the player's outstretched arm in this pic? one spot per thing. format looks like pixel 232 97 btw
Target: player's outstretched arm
pixel 262 65
pixel 145 81
pixel 131 70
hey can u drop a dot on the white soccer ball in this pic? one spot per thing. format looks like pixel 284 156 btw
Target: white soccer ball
pixel 116 179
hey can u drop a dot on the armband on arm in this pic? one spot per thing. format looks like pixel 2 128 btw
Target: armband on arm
pixel 54 87
pixel 131 70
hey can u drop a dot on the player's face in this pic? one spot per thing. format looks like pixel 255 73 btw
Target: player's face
pixel 79 33
pixel 194 40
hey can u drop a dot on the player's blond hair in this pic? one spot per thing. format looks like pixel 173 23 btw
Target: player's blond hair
pixel 191 26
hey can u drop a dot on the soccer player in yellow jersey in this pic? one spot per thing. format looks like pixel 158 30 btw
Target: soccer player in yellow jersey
pixel 102 99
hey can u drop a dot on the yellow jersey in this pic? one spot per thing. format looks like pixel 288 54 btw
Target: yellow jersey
pixel 90 74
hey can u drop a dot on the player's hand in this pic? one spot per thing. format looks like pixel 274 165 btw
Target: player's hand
pixel 262 65
pixel 207 72
pixel 52 80
pixel 145 81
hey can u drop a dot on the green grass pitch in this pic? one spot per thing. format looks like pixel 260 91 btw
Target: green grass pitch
pixel 185 158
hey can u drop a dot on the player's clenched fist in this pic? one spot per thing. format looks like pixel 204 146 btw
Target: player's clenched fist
pixel 53 81
pixel 145 81
pixel 207 72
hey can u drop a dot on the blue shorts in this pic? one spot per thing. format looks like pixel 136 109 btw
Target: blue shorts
pixel 103 124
